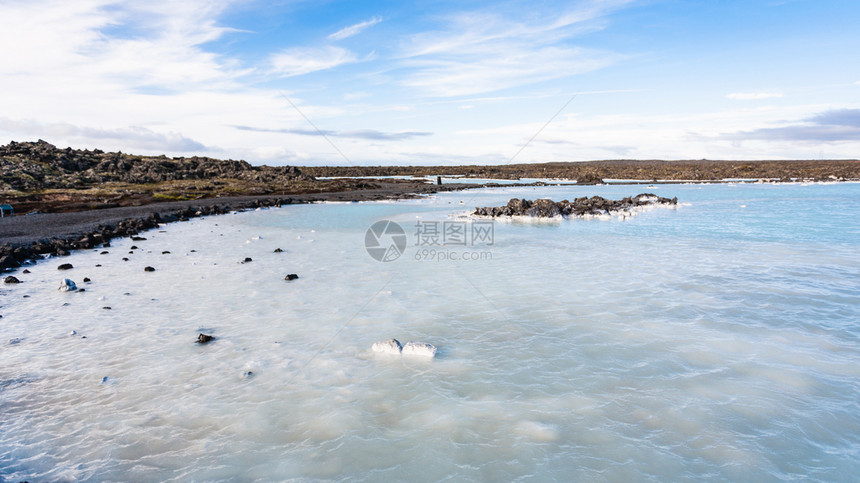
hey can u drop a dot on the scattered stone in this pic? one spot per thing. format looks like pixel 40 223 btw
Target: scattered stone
pixel 390 346
pixel 247 260
pixel 106 307
pixel 133 247
pixel 148 269
pixel 26 296
pixel 131 252
pixel 247 374
pixel 104 252
pixel 278 250
pixel 65 266
pixel 193 251
pixel 82 290
pixel 87 280
pixel 124 259
pixel 203 338
pixel 290 277
pixel 25 271
pixel 67 286
pixel 98 264
pixel 11 279
pixel 165 252
pixel 419 349
pixel 138 238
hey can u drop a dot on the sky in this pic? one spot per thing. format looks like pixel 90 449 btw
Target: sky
pixel 436 82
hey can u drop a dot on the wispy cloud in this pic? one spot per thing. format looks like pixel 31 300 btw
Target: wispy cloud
pixel 829 126
pixel 368 134
pixel 304 60
pixel 480 52
pixel 753 96
pixel 354 29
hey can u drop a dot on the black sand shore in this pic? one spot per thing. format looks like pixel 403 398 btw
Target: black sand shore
pixel 26 237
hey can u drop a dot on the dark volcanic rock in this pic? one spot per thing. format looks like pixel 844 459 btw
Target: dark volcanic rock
pixel 278 250
pixel 11 279
pixel 65 266
pixel 596 205
pixel 290 277
pixel 39 165
pixel 247 260
pixel 203 338
pixel 148 269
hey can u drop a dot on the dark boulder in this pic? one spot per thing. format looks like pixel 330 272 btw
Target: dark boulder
pixel 203 338
pixel 291 277
pixel 11 279
pixel 65 266
pixel 148 269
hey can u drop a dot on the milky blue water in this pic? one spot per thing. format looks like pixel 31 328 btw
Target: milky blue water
pixel 718 340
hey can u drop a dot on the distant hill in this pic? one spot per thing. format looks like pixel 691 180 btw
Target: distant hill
pixel 32 166
pixel 646 170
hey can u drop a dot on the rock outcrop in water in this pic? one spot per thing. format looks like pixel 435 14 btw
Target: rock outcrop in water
pixel 390 346
pixel 596 205
pixel 393 347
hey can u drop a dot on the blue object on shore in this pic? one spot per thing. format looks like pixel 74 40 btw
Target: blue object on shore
pixel 6 210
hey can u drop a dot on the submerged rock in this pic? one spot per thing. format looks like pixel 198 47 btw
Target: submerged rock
pixel 65 266
pixel 421 349
pixel 67 286
pixel 390 346
pixel 11 279
pixel 203 338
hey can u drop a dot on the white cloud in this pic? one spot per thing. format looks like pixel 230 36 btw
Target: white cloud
pixel 481 52
pixel 753 96
pixel 354 29
pixel 134 137
pixel 304 60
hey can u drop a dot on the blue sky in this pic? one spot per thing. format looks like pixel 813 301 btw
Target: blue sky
pixel 437 82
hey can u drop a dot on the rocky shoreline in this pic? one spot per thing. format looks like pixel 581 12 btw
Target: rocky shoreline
pixel 27 238
pixel 580 207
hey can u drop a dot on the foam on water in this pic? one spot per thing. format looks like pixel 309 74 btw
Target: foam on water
pixel 711 341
